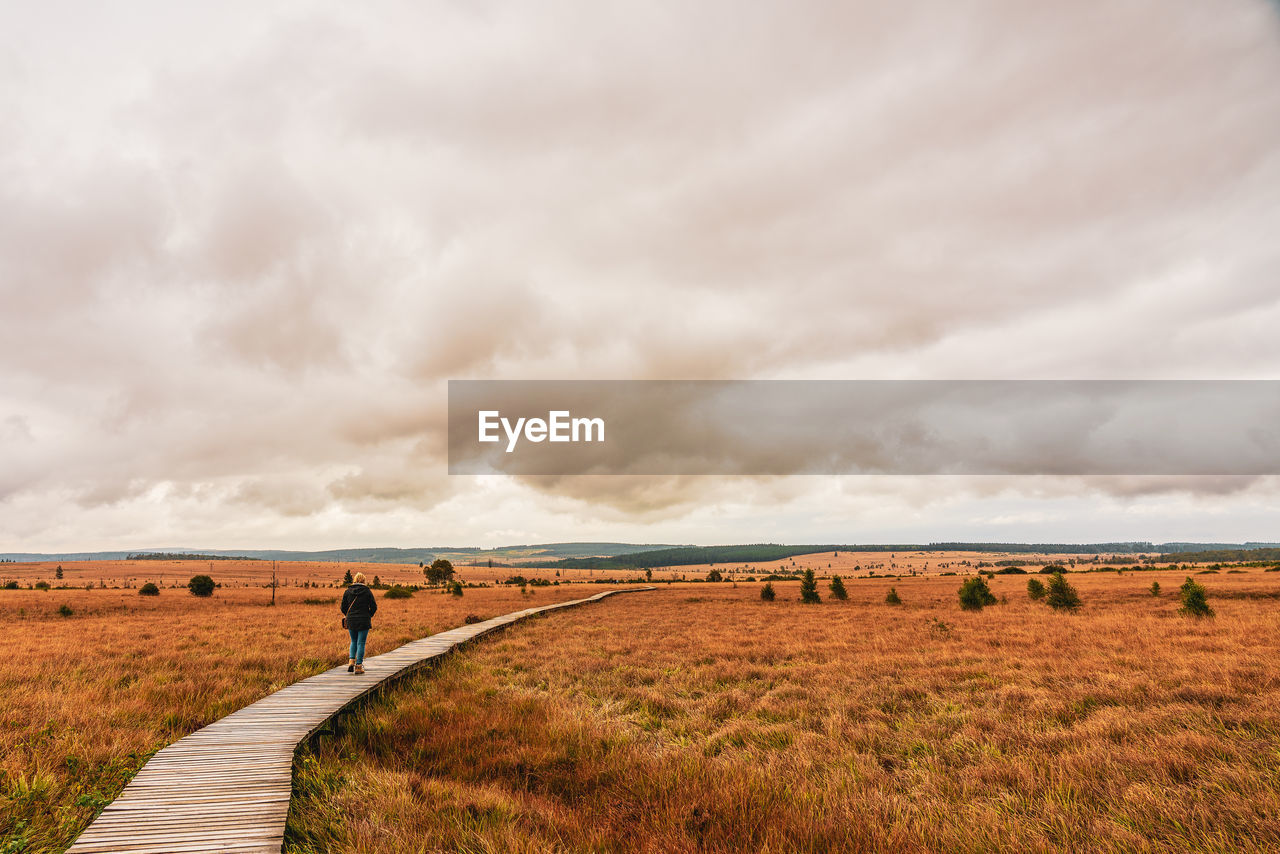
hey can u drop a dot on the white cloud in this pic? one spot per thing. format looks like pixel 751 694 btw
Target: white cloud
pixel 241 250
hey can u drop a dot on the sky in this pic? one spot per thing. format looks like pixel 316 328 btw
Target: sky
pixel 244 246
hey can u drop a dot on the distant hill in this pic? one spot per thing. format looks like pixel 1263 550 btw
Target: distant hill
pixel 641 556
pixel 504 554
pixel 763 552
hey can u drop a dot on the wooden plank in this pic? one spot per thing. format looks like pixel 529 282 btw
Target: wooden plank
pixel 227 786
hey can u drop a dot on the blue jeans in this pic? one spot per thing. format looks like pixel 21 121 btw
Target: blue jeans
pixel 358 637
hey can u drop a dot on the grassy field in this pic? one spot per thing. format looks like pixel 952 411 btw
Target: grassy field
pixel 699 718
pixel 87 698
pixel 696 717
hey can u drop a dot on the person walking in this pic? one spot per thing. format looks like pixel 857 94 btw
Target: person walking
pixel 359 606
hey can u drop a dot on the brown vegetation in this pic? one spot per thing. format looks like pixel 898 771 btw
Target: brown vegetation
pixel 703 719
pixel 697 717
pixel 87 698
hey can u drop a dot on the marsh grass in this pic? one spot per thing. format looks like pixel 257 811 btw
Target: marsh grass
pixel 87 697
pixel 656 724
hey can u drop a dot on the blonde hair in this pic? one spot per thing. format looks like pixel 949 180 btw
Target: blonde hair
pixel 359 579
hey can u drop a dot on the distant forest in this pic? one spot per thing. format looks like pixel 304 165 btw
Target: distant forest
pixel 764 552
pixel 1223 556
pixel 182 556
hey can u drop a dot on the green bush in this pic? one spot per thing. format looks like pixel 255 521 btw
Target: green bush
pixel 440 572
pixel 1062 595
pixel 809 588
pixel 893 598
pixel 1155 588
pixel 396 591
pixel 200 585
pixel 975 594
pixel 715 575
pixel 11 585
pixel 767 593
pixel 456 588
pixel 42 585
pixel 1195 600
pixel 148 589
pixel 65 610
pixel 1035 589
pixel 837 588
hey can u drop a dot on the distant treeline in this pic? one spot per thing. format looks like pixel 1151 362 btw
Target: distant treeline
pixel 686 556
pixel 183 556
pixel 765 552
pixel 1223 556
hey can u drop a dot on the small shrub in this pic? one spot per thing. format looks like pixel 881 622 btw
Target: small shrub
pixel 809 588
pixel 975 594
pixel 767 593
pixel 1035 589
pixel 65 610
pixel 11 585
pixel 1011 570
pixel 715 575
pixel 938 628
pixel 1062 595
pixel 200 585
pixel 1155 588
pixel 456 588
pixel 837 588
pixel 148 589
pixel 396 591
pixel 472 619
pixel 893 598
pixel 42 585
pixel 1195 600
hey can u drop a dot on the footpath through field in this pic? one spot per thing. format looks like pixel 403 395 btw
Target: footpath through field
pixel 226 787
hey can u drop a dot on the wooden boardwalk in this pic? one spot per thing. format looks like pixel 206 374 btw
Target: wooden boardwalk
pixel 226 787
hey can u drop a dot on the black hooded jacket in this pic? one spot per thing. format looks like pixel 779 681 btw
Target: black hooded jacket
pixel 359 606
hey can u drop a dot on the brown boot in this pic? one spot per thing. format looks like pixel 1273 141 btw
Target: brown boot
pixel 359 668
pixel 351 664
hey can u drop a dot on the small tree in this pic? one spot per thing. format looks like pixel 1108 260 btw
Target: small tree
pixel 456 588
pixel 1195 600
pixel 1062 595
pixel 767 592
pixel 893 598
pixel 148 589
pixel 1035 589
pixel 57 573
pixel 1155 588
pixel 837 588
pixel 975 594
pixel 715 575
pixel 439 572
pixel 346 578
pixel 200 585
pixel 809 588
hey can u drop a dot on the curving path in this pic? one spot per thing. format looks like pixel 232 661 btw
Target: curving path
pixel 226 787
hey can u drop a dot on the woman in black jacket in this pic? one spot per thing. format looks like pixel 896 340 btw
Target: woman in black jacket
pixel 359 606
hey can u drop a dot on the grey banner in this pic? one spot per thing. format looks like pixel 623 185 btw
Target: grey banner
pixel 776 427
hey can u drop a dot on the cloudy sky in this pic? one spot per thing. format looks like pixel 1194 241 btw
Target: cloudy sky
pixel 243 246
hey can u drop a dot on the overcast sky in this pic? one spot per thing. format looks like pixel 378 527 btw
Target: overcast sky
pixel 244 245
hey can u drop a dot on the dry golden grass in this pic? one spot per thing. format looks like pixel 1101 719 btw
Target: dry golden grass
pixel 698 718
pixel 88 698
